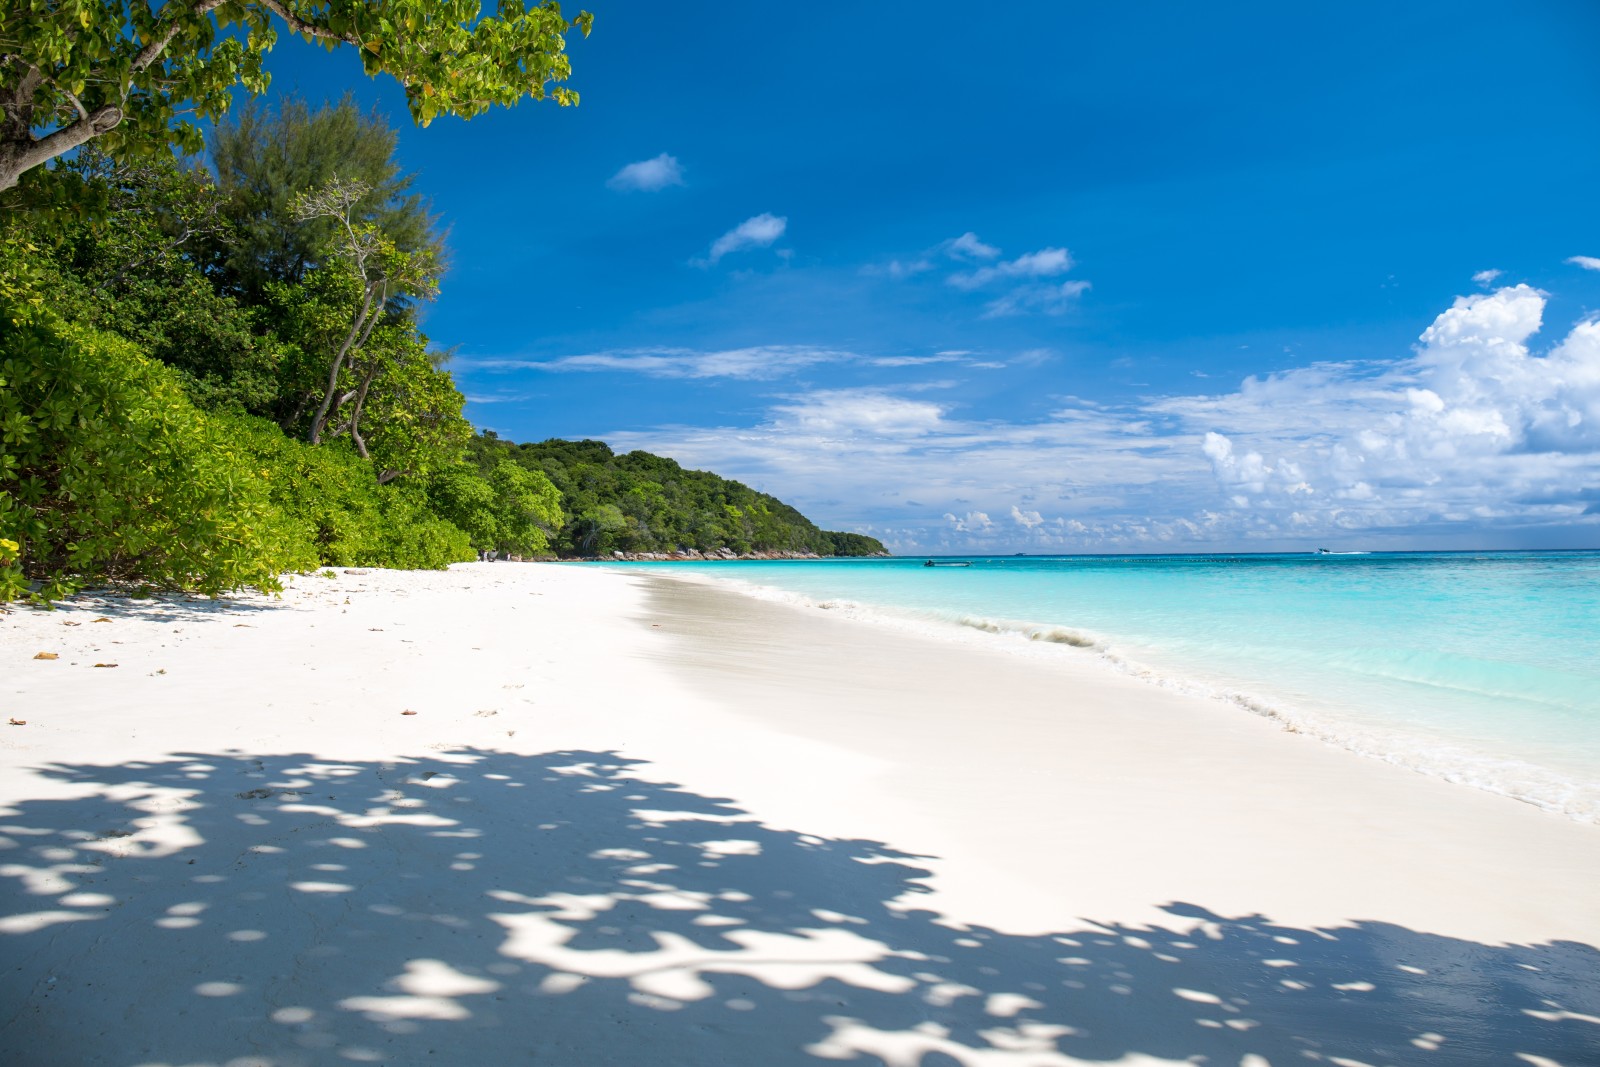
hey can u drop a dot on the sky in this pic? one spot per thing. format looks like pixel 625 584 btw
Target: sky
pixel 1050 276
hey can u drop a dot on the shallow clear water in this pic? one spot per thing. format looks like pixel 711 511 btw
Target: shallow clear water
pixel 1483 668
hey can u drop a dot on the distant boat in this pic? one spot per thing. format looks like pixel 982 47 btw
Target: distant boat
pixel 947 563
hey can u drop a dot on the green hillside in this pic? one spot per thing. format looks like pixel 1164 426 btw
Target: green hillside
pixel 643 503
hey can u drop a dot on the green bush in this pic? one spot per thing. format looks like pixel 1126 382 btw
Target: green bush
pixel 508 510
pixel 109 472
pixel 333 512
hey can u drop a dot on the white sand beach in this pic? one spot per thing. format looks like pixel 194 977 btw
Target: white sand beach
pixel 555 814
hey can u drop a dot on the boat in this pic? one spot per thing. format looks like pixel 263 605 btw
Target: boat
pixel 948 563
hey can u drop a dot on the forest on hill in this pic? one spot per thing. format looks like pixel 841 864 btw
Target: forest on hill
pixel 214 374
pixel 643 503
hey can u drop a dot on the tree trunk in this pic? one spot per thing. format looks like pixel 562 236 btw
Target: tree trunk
pixel 360 330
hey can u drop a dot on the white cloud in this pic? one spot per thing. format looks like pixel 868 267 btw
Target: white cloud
pixel 758 231
pixel 968 246
pixel 648 175
pixel 971 522
pixel 1586 262
pixel 1473 425
pixel 1034 293
pixel 898 268
pixel 1041 264
pixel 1473 436
pixel 1049 299
pixel 755 362
pixel 836 411
pixel 1486 278
pixel 919 361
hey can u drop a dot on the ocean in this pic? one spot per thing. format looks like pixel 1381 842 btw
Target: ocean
pixel 1482 668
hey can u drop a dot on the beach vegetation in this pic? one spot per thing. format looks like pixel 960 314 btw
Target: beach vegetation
pixel 209 379
pixel 109 471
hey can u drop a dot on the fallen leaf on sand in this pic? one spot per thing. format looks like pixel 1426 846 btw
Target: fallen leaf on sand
pixel 70 622
pixel 19 722
pixel 103 618
pixel 48 655
pixel 244 624
pixel 408 711
pixel 105 664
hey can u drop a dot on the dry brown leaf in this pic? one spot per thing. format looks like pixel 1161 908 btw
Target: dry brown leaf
pixel 69 622
pixel 103 618
pixel 105 664
pixel 19 722
pixel 408 711
pixel 48 655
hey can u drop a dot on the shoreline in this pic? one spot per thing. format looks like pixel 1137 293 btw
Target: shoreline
pixel 642 820
pixel 1567 788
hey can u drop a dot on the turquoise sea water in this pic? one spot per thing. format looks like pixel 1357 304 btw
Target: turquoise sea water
pixel 1483 668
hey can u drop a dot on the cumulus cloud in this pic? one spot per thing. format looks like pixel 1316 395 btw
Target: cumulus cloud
pixel 648 175
pixel 971 522
pixel 1473 426
pixel 1474 434
pixel 759 231
pixel 1486 278
pixel 1586 262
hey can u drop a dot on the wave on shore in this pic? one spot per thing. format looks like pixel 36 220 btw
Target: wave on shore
pixel 1522 780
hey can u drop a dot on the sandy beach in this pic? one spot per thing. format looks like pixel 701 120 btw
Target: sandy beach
pixel 557 814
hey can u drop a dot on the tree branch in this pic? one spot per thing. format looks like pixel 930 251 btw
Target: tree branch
pixel 157 45
pixel 304 28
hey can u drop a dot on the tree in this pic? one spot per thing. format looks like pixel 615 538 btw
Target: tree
pixel 265 159
pixel 131 74
pixel 131 270
pixel 383 273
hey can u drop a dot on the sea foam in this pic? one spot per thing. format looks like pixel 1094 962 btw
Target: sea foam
pixel 1427 710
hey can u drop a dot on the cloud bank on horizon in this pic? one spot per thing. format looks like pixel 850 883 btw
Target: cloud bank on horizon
pixel 1473 433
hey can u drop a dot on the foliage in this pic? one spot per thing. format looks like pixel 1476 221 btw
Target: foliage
pixel 335 514
pixel 108 471
pixel 130 271
pixel 131 73
pixel 640 502
pixel 387 393
pixel 513 509
pixel 264 160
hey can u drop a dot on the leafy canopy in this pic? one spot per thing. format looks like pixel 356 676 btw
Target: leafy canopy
pixel 267 158
pixel 135 74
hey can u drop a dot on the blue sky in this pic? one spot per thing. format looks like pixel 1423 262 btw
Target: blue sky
pixel 1051 276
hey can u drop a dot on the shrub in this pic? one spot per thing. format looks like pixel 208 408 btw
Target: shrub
pixel 109 472
pixel 332 512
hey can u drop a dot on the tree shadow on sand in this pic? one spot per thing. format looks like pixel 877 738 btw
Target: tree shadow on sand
pixel 482 907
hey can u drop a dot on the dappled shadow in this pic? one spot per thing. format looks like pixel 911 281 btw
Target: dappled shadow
pixel 482 907
pixel 160 607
